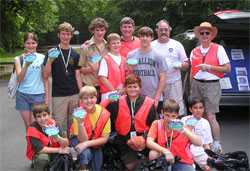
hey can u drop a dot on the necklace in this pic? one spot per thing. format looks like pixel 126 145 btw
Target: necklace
pixel 67 62
pixel 171 138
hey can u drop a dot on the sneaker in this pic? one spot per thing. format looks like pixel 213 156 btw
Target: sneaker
pixel 217 150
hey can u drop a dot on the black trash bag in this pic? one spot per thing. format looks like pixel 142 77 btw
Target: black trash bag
pixel 62 162
pixel 235 161
pixel 111 155
pixel 157 164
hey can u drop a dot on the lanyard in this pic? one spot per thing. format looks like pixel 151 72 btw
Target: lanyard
pixel 171 138
pixel 204 56
pixel 132 111
pixel 67 62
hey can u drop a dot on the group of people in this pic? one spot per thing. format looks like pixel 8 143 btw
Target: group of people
pixel 151 95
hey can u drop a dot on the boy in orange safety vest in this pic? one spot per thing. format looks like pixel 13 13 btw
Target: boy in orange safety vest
pixel 131 116
pixel 112 68
pixel 41 147
pixel 90 132
pixel 163 140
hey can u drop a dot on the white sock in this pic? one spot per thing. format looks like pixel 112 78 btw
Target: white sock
pixel 216 144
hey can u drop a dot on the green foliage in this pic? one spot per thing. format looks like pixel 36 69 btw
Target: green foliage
pixel 21 16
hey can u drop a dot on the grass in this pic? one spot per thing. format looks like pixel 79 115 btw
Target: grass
pixel 9 57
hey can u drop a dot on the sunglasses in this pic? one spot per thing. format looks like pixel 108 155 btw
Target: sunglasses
pixel 202 33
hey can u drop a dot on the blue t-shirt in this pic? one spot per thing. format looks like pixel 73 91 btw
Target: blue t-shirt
pixel 32 82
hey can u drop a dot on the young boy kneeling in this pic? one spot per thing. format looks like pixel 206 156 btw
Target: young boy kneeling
pixel 202 129
pixel 40 145
pixel 90 132
pixel 171 142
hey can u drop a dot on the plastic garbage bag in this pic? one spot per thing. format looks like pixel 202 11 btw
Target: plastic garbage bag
pixel 158 164
pixel 62 162
pixel 235 161
pixel 111 155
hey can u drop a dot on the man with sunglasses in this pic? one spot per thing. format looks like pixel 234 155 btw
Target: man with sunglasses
pixel 209 63
pixel 174 53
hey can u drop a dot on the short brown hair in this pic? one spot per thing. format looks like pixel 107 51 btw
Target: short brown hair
pixel 127 20
pixel 66 27
pixel 40 108
pixel 133 79
pixel 170 106
pixel 196 100
pixel 30 36
pixel 146 31
pixel 87 91
pixel 113 36
pixel 98 23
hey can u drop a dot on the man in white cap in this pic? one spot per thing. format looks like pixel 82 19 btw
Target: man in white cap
pixel 174 53
pixel 209 63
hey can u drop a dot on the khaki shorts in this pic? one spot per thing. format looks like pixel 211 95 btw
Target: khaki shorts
pixel 62 109
pixel 210 92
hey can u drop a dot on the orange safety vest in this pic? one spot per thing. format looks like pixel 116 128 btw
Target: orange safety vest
pixel 97 132
pixel 126 47
pixel 210 58
pixel 124 118
pixel 116 74
pixel 33 132
pixel 180 145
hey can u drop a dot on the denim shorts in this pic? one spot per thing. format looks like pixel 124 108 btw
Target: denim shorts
pixel 25 102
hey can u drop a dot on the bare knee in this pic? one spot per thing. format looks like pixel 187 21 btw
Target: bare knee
pixel 153 155
pixel 131 166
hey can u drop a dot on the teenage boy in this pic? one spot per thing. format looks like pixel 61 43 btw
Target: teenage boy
pixel 112 68
pixel 163 140
pixel 172 51
pixel 66 79
pixel 95 46
pixel 151 67
pixel 128 41
pixel 202 129
pixel 131 116
pixel 88 134
pixel 41 147
pixel 209 64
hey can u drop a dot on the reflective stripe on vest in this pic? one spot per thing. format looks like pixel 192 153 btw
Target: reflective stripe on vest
pixel 124 118
pixel 210 59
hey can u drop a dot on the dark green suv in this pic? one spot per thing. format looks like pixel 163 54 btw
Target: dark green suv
pixel 233 34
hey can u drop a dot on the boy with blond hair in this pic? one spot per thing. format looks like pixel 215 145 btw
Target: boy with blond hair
pixel 89 133
pixel 112 68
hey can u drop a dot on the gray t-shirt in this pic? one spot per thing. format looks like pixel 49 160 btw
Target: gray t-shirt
pixel 148 68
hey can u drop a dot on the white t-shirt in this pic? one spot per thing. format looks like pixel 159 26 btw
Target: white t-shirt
pixel 222 58
pixel 103 69
pixel 171 51
pixel 203 130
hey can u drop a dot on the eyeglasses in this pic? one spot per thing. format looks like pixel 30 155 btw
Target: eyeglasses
pixel 163 29
pixel 202 33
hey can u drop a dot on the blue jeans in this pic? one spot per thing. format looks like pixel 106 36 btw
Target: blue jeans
pixel 179 166
pixel 90 156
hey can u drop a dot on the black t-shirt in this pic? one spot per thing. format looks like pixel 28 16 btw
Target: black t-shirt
pixel 113 109
pixel 64 83
pixel 36 143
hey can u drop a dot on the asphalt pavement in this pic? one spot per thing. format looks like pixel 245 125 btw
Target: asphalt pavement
pixel 234 122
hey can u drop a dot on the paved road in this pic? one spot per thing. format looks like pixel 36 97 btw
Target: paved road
pixel 234 130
